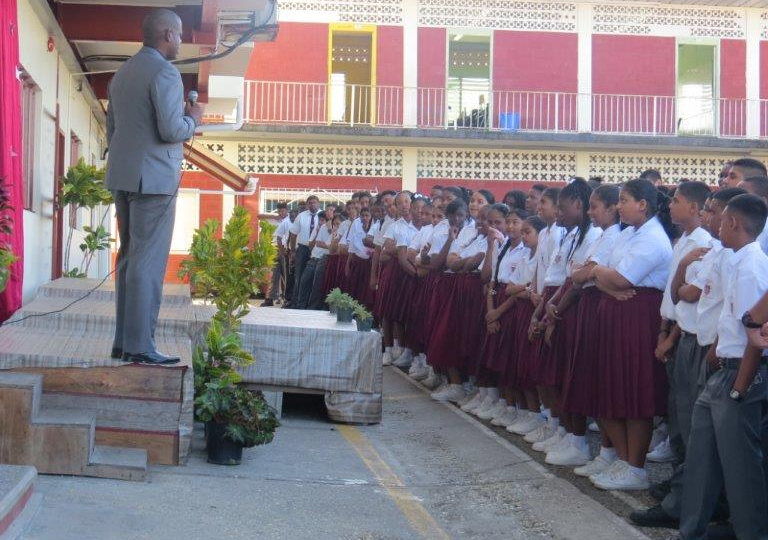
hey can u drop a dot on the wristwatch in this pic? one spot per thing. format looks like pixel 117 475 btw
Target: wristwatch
pixel 747 321
pixel 735 395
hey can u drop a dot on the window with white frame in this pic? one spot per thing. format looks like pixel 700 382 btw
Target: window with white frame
pixel 187 220
pixel 31 109
pixel 269 198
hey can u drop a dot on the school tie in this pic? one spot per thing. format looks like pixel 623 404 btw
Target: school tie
pixel 311 223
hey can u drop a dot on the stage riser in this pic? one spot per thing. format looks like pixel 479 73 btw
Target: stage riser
pixel 173 295
pixel 98 324
pixel 162 448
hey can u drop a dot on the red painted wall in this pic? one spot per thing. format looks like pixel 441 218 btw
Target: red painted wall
pixel 389 73
pixel 498 187
pixel 633 66
pixel 431 76
pixel 329 182
pixel 733 87
pixel 527 63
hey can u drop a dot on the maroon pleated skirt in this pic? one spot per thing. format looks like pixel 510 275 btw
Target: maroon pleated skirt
pixel 401 293
pixel 444 348
pixel 499 348
pixel 631 383
pixel 421 315
pixel 472 313
pixel 525 349
pixel 579 381
pixel 386 273
pixel 358 283
pixel 332 275
pixel 546 370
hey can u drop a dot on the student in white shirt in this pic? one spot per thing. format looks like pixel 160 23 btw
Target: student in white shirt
pixel 758 185
pixel 697 291
pixel 279 237
pixel 319 241
pixel 632 386
pixel 725 447
pixel 549 242
pixel 304 224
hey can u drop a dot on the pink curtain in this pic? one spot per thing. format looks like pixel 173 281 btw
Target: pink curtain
pixel 10 149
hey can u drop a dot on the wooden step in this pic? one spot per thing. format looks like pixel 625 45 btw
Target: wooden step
pixel 173 294
pixel 54 440
pixel 119 463
pixel 17 496
pixel 137 406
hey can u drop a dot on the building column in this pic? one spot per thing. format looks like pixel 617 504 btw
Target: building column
pixel 582 164
pixel 410 168
pixel 584 72
pixel 754 24
pixel 410 62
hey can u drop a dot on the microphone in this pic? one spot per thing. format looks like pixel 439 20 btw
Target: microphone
pixel 192 97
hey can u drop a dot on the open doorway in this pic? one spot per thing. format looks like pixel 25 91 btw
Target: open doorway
pixel 352 73
pixel 696 88
pixel 469 79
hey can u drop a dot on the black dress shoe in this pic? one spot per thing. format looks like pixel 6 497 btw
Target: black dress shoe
pixel 152 358
pixel 721 531
pixel 654 517
pixel 268 303
pixel 117 353
pixel 661 490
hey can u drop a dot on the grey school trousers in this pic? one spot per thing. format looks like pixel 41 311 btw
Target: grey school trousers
pixel 725 449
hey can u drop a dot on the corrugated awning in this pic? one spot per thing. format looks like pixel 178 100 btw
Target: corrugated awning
pixel 216 166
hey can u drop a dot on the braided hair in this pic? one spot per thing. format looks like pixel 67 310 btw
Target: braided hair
pixel 578 189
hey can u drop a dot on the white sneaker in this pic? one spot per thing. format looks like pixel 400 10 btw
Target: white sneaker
pixel 474 400
pixel 507 419
pixel 527 423
pixel 416 364
pixel 662 453
pixel 542 433
pixel 623 479
pixel 387 358
pixel 404 360
pixel 485 404
pixel 453 393
pixel 612 469
pixel 549 443
pixel 593 427
pixel 498 409
pixel 442 387
pixel 396 352
pixel 659 434
pixel 568 455
pixel 432 381
pixel 594 467
pixel 419 373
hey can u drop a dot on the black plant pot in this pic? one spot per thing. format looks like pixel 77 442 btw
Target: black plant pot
pixel 364 326
pixel 221 449
pixel 344 315
pixel 332 309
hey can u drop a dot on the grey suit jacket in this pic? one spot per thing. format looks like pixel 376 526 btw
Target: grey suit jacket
pixel 146 125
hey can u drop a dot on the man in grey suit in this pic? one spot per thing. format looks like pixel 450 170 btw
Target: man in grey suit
pixel 147 123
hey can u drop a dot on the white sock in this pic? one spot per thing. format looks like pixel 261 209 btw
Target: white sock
pixel 639 471
pixel 545 412
pixel 388 349
pixel 608 454
pixel 554 422
pixel 579 441
pixel 503 402
pixel 483 391
pixel 494 393
pixel 397 343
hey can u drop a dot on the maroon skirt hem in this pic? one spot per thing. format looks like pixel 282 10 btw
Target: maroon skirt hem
pixel 580 378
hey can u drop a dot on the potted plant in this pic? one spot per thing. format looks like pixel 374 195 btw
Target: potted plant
pixel 333 299
pixel 235 418
pixel 345 308
pixel 363 318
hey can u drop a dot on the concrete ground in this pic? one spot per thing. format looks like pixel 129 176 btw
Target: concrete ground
pixel 427 471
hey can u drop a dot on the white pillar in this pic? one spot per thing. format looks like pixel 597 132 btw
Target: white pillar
pixel 753 73
pixel 582 164
pixel 410 168
pixel 410 62
pixel 584 73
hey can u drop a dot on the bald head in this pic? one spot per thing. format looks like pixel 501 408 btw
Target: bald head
pixel 162 31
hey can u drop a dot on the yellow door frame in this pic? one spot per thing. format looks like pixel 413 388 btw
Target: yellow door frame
pixel 353 28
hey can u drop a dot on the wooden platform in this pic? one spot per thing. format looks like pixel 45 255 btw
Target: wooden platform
pixel 133 405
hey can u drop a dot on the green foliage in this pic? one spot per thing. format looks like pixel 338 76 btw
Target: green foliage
pixel 339 300
pixel 228 270
pixel 249 419
pixel 7 258
pixel 361 314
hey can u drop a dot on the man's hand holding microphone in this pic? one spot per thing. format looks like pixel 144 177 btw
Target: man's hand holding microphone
pixel 193 109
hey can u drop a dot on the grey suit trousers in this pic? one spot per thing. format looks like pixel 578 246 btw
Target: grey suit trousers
pixel 725 448
pixel 145 224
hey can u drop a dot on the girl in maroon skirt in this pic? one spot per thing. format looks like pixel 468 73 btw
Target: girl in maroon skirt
pixel 631 383
pixel 522 288
pixel 565 447
pixel 579 381
pixel 357 270
pixel 334 266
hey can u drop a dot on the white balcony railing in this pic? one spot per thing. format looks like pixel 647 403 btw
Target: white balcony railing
pixel 271 102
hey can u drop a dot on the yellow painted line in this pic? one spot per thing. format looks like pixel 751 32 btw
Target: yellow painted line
pixel 417 516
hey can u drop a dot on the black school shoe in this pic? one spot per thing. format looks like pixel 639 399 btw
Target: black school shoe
pixel 654 517
pixel 117 353
pixel 661 490
pixel 268 303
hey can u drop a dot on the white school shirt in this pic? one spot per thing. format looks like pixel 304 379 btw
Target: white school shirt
pixel 320 234
pixel 356 237
pixel 745 284
pixel 706 275
pixel 579 254
pixel 439 237
pixel 549 243
pixel 599 252
pixel 282 231
pixel 525 271
pixel 643 255
pixel 344 232
pixel 763 239
pixel 402 232
pixel 419 240
pixel 558 264
pixel 466 236
pixel 508 264
pixel 478 245
pixel 301 226
pixel 378 236
pixel 687 243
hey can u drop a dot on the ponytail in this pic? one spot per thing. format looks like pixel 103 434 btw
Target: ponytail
pixel 665 218
pixel 657 203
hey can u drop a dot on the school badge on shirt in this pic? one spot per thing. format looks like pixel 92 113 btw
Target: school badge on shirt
pixel 707 289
